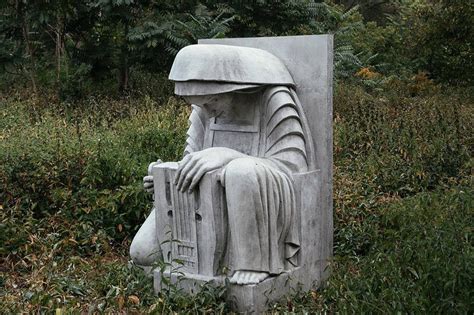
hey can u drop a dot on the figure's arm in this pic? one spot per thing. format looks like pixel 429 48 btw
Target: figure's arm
pixel 196 131
pixel 286 141
pixel 196 164
pixel 285 147
pixel 194 143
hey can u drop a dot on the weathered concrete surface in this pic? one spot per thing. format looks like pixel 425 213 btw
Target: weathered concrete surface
pixel 144 249
pixel 248 299
pixel 310 62
pixel 254 299
pixel 230 143
pixel 213 63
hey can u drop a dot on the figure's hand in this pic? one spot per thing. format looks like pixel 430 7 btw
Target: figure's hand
pixel 148 184
pixel 148 180
pixel 196 164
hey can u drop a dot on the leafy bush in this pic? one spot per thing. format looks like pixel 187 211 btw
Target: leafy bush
pixel 403 144
pixel 328 18
pixel 420 260
pixel 423 36
pixel 438 37
pixel 72 194
pixel 87 168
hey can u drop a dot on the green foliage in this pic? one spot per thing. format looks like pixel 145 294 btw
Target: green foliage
pixel 344 25
pixel 71 163
pixel 174 35
pixel 98 43
pixel 403 204
pixel 403 144
pixel 86 167
pixel 423 36
pixel 75 83
pixel 72 196
pixel 200 25
pixel 441 39
pixel 270 18
pixel 420 260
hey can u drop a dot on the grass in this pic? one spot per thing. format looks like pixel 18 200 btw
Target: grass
pixel 71 200
pixel 418 259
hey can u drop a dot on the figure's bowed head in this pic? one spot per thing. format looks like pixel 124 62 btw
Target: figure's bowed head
pixel 194 165
pixel 207 76
pixel 213 105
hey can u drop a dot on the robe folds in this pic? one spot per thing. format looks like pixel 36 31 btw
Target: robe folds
pixel 263 226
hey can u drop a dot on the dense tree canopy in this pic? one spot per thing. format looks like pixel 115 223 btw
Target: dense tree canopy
pixel 69 45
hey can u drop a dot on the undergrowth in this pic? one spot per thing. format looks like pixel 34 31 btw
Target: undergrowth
pixel 72 199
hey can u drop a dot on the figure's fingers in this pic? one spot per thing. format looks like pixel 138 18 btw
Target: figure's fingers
pixel 148 183
pixel 190 175
pixel 148 187
pixel 150 190
pixel 148 178
pixel 184 170
pixel 197 177
pixel 181 164
pixel 190 166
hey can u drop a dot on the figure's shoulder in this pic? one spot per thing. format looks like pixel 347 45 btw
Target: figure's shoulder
pixel 279 99
pixel 197 111
pixel 278 95
pixel 196 131
pixel 197 116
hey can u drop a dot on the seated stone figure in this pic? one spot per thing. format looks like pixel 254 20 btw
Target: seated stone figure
pixel 247 124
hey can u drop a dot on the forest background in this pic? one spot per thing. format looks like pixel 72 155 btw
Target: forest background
pixel 85 105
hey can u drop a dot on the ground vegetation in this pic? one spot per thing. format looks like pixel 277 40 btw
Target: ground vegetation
pixel 85 105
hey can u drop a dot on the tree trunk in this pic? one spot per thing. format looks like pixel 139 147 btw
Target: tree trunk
pixel 29 50
pixel 124 66
pixel 123 74
pixel 58 51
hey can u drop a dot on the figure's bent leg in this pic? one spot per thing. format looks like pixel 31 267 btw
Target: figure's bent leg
pixel 145 249
pixel 248 222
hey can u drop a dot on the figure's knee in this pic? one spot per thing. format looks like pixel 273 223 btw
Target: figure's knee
pixel 240 170
pixel 144 249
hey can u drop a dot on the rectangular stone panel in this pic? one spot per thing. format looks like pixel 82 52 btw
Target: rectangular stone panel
pixel 310 62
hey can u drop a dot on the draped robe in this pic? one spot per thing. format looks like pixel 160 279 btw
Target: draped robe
pixel 261 207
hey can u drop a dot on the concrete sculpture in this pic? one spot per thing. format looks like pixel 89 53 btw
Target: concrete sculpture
pixel 249 201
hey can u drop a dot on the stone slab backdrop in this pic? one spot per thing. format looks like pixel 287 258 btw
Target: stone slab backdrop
pixel 309 59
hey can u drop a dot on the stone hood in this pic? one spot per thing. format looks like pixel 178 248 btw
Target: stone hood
pixel 232 64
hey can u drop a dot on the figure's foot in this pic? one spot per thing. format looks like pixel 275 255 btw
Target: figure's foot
pixel 248 277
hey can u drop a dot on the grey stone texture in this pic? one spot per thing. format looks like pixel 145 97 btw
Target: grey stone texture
pixel 251 200
pixel 309 59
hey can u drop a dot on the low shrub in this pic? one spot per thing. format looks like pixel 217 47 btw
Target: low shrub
pixel 72 198
pixel 390 145
pixel 86 168
pixel 402 143
pixel 420 261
